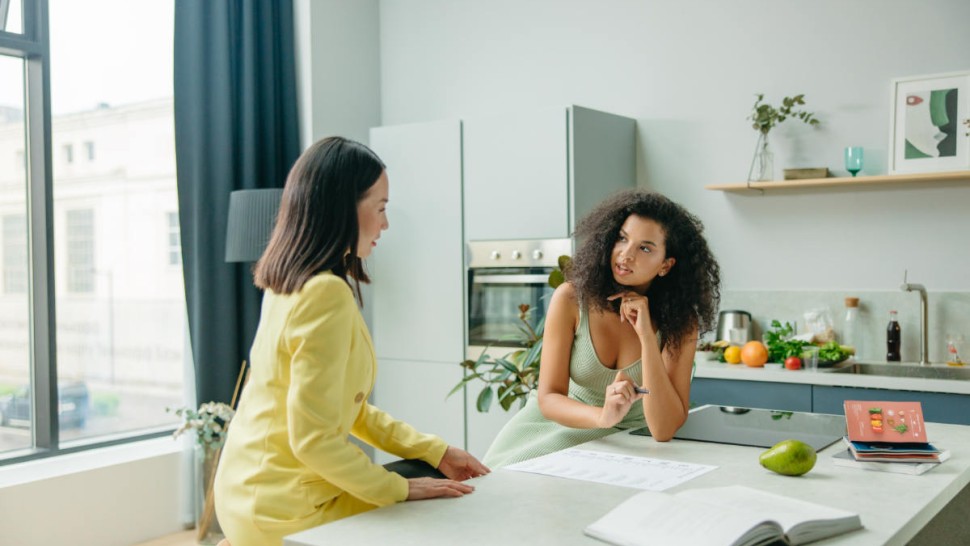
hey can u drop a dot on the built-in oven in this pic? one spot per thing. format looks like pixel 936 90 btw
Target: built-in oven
pixel 502 276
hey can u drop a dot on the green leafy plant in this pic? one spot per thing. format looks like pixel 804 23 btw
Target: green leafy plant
pixel 779 342
pixel 208 423
pixel 833 352
pixel 512 377
pixel 764 116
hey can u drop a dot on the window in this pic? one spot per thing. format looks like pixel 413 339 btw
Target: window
pixel 15 254
pixel 15 314
pixel 174 240
pixel 117 314
pixel 80 251
pixel 11 19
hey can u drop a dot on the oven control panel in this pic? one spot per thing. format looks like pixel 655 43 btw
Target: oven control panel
pixel 518 253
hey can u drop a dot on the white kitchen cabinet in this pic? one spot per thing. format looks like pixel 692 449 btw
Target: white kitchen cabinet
pixel 512 177
pixel 534 175
pixel 417 269
pixel 414 392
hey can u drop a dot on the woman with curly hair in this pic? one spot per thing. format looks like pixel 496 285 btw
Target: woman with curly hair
pixel 620 334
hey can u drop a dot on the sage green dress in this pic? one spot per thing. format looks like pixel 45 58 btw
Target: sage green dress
pixel 529 434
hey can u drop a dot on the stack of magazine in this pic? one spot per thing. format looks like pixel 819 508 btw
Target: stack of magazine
pixel 888 436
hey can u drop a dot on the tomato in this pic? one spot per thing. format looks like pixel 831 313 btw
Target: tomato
pixel 793 363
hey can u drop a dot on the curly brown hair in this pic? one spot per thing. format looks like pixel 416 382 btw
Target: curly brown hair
pixel 685 298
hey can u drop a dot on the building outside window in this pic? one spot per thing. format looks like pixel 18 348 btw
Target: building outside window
pixel 80 251
pixel 118 306
pixel 174 240
pixel 14 254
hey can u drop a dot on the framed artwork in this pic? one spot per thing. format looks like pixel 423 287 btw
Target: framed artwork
pixel 930 124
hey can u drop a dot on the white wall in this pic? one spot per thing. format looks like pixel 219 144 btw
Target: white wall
pixel 109 497
pixel 337 68
pixel 688 71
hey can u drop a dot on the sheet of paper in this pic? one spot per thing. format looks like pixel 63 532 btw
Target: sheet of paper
pixel 613 469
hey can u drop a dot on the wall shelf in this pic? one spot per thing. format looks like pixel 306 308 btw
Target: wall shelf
pixel 861 182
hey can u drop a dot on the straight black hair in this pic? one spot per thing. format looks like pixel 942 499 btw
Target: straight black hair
pixel 317 227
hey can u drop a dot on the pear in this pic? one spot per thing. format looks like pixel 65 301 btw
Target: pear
pixel 789 457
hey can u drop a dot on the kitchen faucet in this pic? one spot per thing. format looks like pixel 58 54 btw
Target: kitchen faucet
pixel 923 313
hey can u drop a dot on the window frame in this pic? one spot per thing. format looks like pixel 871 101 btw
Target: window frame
pixel 33 47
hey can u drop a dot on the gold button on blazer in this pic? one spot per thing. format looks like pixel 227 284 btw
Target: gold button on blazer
pixel 288 463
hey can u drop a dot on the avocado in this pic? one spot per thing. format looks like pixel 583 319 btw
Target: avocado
pixel 789 457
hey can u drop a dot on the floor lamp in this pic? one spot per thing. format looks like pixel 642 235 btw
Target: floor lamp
pixel 252 215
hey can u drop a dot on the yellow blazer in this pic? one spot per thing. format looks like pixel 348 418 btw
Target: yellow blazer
pixel 288 463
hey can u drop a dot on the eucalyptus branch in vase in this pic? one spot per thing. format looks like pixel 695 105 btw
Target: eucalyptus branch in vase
pixel 764 118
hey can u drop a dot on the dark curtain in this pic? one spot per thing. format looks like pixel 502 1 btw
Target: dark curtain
pixel 236 128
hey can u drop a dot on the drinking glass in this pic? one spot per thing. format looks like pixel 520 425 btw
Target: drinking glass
pixel 853 159
pixel 810 358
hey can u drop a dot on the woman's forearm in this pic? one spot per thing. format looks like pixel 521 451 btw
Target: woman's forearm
pixel 663 408
pixel 568 412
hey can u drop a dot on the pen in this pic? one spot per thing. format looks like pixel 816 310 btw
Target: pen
pixel 640 390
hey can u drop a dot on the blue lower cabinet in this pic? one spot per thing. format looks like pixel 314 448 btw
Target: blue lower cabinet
pixel 751 394
pixel 937 407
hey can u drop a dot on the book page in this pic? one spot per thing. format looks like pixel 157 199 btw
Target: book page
pixel 787 511
pixel 654 518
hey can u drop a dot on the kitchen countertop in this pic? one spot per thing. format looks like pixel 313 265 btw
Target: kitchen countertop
pixel 827 377
pixel 517 508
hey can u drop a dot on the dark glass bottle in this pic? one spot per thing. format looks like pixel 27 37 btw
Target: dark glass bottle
pixel 893 338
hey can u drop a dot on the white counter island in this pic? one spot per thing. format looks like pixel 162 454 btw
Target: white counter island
pixel 516 508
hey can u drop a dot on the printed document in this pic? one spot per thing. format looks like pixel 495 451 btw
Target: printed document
pixel 613 469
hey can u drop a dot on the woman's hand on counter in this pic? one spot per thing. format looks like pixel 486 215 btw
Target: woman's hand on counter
pixel 460 465
pixel 432 488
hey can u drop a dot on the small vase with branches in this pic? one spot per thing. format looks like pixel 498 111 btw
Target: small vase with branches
pixel 764 117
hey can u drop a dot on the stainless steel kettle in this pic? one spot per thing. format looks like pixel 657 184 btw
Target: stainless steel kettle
pixel 733 319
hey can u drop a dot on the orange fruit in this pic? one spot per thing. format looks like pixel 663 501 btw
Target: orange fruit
pixel 754 354
pixel 732 355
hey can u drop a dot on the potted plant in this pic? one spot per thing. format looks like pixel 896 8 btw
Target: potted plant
pixel 208 426
pixel 512 377
pixel 764 117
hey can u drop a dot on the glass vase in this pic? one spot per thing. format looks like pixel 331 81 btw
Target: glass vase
pixel 763 162
pixel 206 524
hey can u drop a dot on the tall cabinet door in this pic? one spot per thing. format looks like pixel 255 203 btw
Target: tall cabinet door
pixel 417 393
pixel 516 170
pixel 417 269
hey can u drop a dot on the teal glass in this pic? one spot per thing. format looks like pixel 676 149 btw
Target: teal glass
pixel 853 159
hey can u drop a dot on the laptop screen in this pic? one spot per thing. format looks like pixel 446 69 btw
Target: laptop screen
pixel 758 427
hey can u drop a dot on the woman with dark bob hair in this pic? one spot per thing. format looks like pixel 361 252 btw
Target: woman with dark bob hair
pixel 620 333
pixel 288 463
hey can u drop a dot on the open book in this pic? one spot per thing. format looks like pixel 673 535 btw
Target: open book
pixel 735 515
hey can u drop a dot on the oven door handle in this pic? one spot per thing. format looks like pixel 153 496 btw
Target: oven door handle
pixel 510 279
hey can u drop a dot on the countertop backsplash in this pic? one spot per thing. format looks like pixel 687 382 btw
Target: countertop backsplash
pixel 949 314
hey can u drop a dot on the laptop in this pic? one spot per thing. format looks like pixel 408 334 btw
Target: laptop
pixel 758 427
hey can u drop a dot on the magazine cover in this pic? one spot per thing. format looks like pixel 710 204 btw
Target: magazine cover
pixel 886 422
